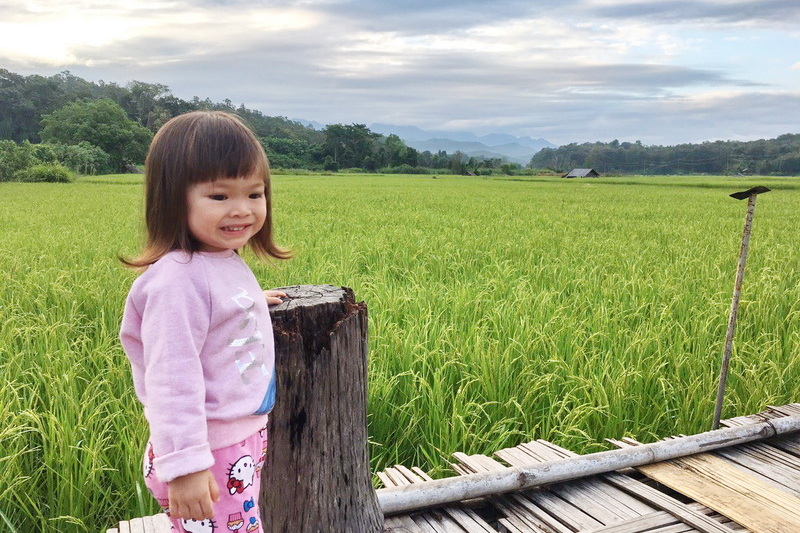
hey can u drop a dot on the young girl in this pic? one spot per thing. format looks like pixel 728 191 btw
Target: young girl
pixel 196 327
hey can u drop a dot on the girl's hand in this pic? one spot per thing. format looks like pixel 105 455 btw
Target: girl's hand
pixel 274 297
pixel 191 496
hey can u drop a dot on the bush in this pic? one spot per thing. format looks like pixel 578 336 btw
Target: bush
pixel 405 168
pixel 15 158
pixel 50 173
pixel 83 158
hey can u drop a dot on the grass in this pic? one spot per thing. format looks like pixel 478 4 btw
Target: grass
pixel 500 310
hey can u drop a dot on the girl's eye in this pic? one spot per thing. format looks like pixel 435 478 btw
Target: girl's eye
pixel 218 197
pixel 256 195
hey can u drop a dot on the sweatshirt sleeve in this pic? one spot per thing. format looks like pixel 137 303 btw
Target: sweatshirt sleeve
pixel 175 321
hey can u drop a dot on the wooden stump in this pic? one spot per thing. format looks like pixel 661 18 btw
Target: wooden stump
pixel 316 478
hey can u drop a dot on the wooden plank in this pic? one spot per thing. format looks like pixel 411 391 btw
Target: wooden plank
pixel 386 480
pixel 661 521
pixel 682 512
pixel 771 465
pixel 450 519
pixel 521 522
pixel 618 502
pixel 730 491
pixel 158 523
pixel 137 525
pixel 397 477
pixel 440 523
pixel 646 522
pixel 409 474
pixel 421 473
pixel 510 527
pixel 401 524
pixel 535 513
pixel 659 500
pixel 467 520
pixel 578 493
pixel 792 409
pixel 675 528
pixel 619 505
pixel 161 523
pixel 457 488
pixel 520 510
pixel 422 522
pixel 150 525
pixel 787 443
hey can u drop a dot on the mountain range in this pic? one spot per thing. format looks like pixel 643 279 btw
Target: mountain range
pixel 500 145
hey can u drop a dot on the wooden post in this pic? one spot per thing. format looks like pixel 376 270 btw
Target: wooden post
pixel 316 477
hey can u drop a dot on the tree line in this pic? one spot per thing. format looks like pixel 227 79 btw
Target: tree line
pixel 97 128
pixel 780 156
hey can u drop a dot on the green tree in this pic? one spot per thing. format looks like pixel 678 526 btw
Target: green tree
pixel 396 150
pixel 457 164
pixel 102 123
pixel 349 146
pixel 22 101
pixel 289 153
pixel 329 164
pixel 145 104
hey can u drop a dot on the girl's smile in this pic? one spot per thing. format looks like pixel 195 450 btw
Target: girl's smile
pixel 226 213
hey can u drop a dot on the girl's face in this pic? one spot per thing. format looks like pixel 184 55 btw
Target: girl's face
pixel 225 213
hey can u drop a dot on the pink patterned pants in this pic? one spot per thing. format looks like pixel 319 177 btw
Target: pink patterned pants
pixel 237 469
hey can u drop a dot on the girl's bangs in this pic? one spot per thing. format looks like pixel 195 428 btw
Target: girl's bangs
pixel 230 152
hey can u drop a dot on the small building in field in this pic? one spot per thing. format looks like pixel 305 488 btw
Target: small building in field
pixel 582 173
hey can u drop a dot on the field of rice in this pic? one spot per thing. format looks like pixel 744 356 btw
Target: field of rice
pixel 500 310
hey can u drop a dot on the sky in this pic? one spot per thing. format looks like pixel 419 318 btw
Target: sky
pixel 661 72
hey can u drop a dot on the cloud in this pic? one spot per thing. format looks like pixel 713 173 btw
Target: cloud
pixel 570 70
pixel 782 12
pixel 64 34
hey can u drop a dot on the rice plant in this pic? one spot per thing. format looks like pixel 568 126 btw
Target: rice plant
pixel 500 311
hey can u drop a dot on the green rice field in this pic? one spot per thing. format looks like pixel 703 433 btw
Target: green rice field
pixel 501 310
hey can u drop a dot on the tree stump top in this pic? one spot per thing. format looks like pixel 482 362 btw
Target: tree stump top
pixel 312 295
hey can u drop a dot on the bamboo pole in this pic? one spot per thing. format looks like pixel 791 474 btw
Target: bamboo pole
pixel 737 291
pixel 441 491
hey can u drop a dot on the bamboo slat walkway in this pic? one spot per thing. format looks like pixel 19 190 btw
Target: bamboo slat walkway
pixel 751 487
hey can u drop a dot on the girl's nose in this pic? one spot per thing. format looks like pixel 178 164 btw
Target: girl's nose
pixel 240 208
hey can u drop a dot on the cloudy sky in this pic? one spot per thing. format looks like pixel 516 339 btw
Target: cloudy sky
pixel 663 72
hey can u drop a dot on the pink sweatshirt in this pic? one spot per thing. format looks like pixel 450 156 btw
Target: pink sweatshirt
pixel 198 334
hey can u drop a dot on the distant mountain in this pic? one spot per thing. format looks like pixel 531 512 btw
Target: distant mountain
pixel 500 145
pixel 516 149
pixel 310 123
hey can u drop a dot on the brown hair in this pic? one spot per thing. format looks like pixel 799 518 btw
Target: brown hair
pixel 198 147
